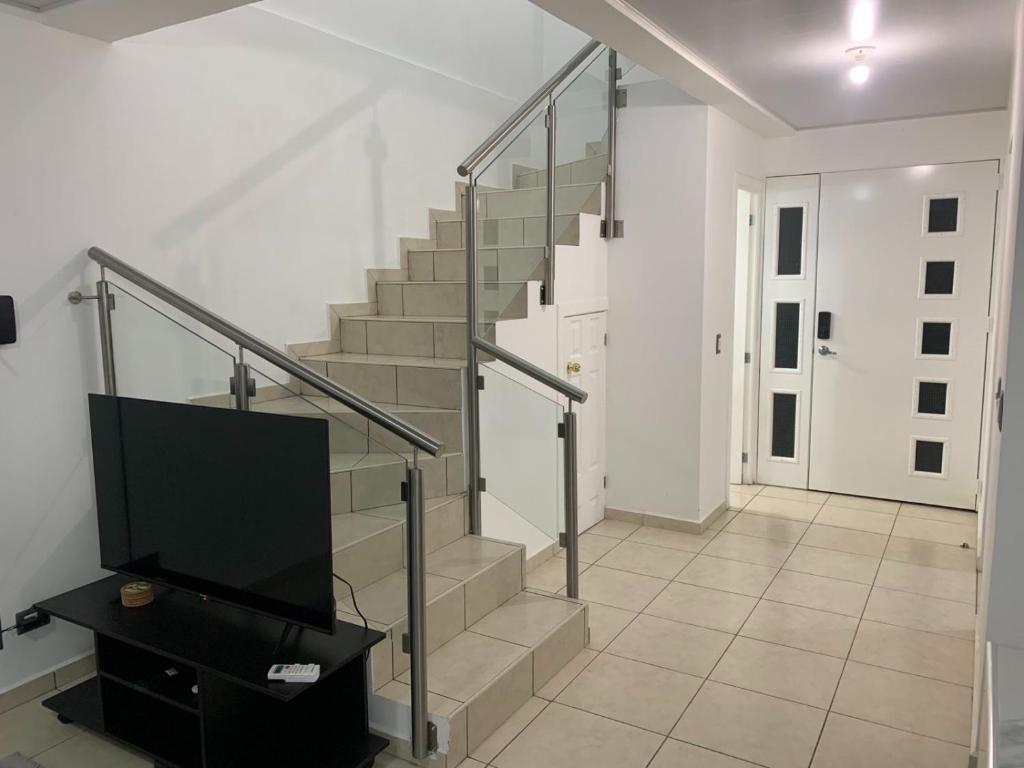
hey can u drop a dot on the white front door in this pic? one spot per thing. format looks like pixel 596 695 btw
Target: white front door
pixel 582 356
pixel 904 268
pixel 787 307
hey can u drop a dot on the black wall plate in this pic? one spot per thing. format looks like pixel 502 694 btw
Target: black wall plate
pixel 8 328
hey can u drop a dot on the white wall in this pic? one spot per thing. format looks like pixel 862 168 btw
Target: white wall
pixel 732 151
pixel 655 278
pixel 255 164
pixel 948 139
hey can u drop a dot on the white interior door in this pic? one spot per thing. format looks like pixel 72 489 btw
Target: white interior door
pixel 787 308
pixel 583 358
pixel 905 269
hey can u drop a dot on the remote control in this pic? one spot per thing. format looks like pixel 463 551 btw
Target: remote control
pixel 294 673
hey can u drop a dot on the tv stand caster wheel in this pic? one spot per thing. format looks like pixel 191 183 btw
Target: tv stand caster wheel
pixel 64 720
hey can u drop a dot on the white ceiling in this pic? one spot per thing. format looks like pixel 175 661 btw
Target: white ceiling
pixel 933 56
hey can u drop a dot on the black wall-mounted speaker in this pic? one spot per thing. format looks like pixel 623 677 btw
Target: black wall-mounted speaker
pixel 8 328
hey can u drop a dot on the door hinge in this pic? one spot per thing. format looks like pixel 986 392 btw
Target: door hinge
pixel 606 339
pixel 562 539
pixel 605 481
pixel 481 484
pixel 618 73
pixel 621 98
pixel 746 357
pixel 744 457
pixel 480 381
pixel 561 429
pixel 750 221
pixel 1000 400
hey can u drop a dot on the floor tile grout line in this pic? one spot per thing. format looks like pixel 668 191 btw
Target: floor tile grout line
pixel 846 661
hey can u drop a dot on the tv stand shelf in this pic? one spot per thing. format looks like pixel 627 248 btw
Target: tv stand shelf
pixel 148 660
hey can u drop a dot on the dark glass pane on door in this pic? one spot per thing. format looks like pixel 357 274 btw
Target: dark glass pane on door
pixel 942 214
pixel 935 338
pixel 791 241
pixel 787 335
pixel 928 456
pixel 931 397
pixel 784 425
pixel 939 278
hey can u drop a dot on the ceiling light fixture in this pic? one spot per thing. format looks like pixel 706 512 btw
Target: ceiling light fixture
pixel 860 72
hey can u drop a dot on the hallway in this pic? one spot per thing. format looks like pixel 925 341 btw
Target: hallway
pixel 801 630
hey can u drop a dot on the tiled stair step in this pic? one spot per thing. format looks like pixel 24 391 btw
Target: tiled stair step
pixel 371 481
pixel 370 545
pixel 593 168
pixel 466 579
pixel 506 301
pixel 509 263
pixel 406 379
pixel 353 433
pixel 533 201
pixel 511 231
pixel 480 677
pixel 406 336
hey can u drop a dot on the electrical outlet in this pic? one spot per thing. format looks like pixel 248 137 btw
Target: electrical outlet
pixel 26 621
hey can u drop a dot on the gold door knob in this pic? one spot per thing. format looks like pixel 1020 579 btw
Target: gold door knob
pixel 573 367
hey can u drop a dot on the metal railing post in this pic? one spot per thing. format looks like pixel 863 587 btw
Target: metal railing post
pixel 417 633
pixel 609 186
pixel 572 555
pixel 549 261
pixel 105 304
pixel 240 382
pixel 472 436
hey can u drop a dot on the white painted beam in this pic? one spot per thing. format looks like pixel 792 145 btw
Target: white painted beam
pixel 112 20
pixel 624 28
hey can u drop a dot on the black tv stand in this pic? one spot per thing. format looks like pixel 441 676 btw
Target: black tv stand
pixel 148 660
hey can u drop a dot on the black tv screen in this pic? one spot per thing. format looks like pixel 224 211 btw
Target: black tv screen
pixel 232 505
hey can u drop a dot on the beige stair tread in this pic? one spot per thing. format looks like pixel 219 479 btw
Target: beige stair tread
pixel 405 361
pixel 407 319
pixel 543 187
pixel 350 527
pixel 467 664
pixel 314 404
pixel 467 556
pixel 527 618
pixel 398 511
pixel 385 601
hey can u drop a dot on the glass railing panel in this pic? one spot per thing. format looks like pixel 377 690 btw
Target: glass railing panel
pixel 158 357
pixel 581 147
pixel 511 223
pixel 520 451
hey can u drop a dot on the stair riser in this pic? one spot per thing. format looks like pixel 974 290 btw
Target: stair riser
pixel 506 301
pixel 534 202
pixel 401 384
pixel 372 558
pixel 361 489
pixel 589 170
pixel 422 338
pixel 347 433
pixel 505 265
pixel 477 719
pixel 501 233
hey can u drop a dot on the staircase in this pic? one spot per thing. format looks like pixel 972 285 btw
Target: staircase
pixel 491 643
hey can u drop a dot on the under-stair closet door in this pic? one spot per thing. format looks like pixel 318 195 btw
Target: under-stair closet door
pixel 905 269
pixel 583 356
pixel 787 310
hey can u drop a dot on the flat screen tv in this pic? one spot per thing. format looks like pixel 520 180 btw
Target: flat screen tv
pixel 231 505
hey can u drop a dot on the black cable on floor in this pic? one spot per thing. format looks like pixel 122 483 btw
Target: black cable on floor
pixel 352 592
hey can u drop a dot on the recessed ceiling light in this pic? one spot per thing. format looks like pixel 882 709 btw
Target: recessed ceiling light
pixel 860 72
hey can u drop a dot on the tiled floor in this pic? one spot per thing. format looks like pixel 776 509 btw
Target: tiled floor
pixel 802 630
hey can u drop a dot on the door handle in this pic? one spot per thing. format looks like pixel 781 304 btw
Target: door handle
pixel 573 367
pixel 824 351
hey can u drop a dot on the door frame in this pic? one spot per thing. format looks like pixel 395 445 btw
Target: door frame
pixel 752 378
pixel 565 313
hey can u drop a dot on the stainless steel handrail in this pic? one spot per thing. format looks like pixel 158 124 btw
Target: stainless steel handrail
pixel 246 340
pixel 512 121
pixel 561 386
